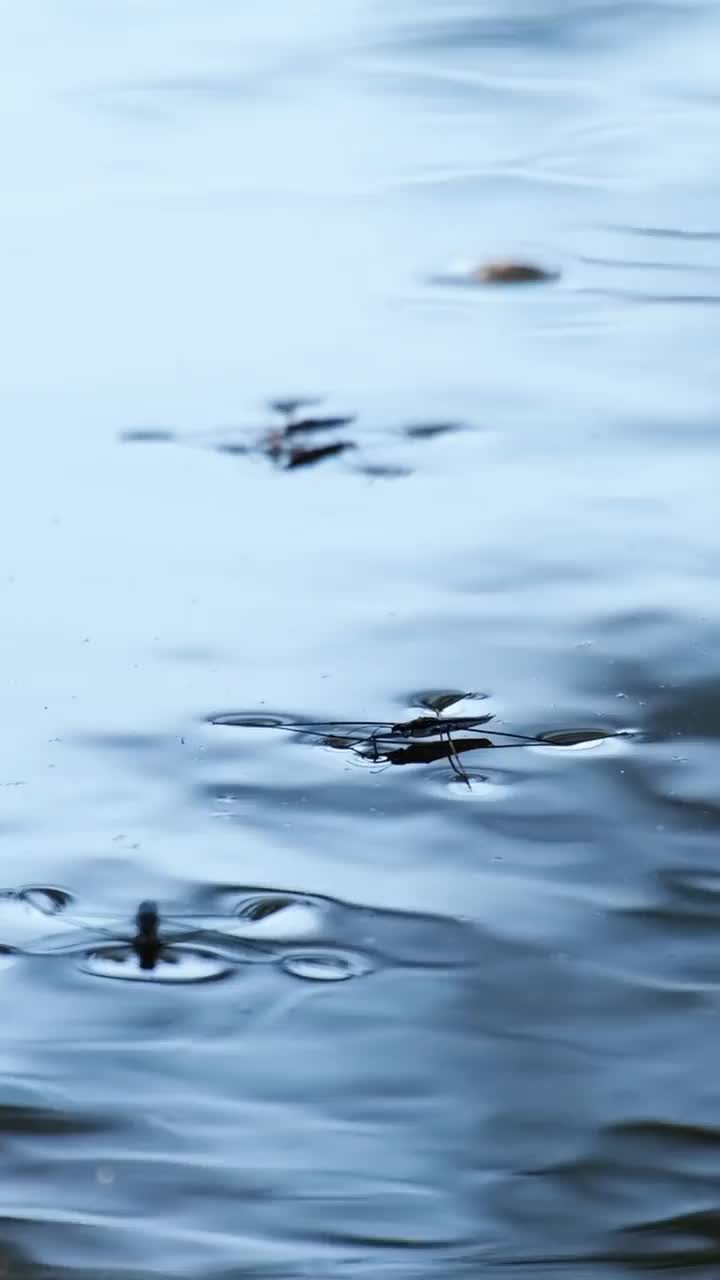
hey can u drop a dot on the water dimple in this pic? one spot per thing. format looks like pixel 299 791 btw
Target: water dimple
pixel 175 964
pixel 439 700
pixel 46 898
pixel 238 719
pixel 477 787
pixel 23 911
pixel 279 915
pixel 609 740
pixel 326 966
pixel 260 908
pixel 573 737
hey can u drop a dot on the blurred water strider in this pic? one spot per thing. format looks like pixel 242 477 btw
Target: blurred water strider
pixel 299 439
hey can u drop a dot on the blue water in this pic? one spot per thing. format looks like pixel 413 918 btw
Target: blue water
pixel 477 1028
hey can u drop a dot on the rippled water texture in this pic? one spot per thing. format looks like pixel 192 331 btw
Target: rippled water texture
pixel 429 1021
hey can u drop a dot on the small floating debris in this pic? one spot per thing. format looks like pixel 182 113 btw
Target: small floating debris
pixel 499 271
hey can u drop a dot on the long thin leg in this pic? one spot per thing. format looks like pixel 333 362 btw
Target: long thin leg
pixel 455 759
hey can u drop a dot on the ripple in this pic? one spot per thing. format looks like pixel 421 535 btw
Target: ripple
pixel 177 964
pixel 326 966
pixel 480 789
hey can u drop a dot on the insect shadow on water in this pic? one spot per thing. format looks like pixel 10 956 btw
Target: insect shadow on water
pixel 298 439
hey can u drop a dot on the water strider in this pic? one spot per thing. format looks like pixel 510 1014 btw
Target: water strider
pixel 151 938
pixel 299 438
pixel 193 948
pixel 420 740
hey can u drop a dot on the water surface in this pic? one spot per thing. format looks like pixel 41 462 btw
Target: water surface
pixel 488 1038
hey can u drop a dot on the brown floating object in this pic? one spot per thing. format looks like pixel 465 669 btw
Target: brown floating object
pixel 511 272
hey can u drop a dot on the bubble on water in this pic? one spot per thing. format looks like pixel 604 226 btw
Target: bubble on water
pixel 326 966
pixel 176 964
